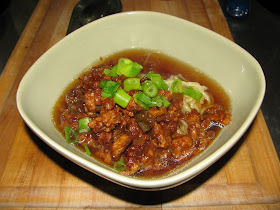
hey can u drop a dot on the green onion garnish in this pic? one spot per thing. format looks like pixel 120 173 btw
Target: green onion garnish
pixel 150 88
pixel 109 88
pixel 113 72
pixel 128 68
pixel 197 95
pixel 166 103
pixel 120 165
pixel 147 97
pixel 156 78
pixel 145 126
pixel 122 98
pixel 83 125
pixel 164 85
pixel 70 135
pixel 142 99
pixel 87 150
pixel 148 75
pixel 157 101
pixel 176 86
pixel 102 83
pixel 131 84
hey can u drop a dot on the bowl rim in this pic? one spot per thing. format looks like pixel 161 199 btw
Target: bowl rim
pixel 136 183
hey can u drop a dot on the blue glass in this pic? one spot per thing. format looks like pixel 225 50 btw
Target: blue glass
pixel 238 8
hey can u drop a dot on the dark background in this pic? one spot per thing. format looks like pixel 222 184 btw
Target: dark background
pixel 258 33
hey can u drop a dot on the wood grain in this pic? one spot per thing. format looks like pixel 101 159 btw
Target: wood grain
pixel 32 175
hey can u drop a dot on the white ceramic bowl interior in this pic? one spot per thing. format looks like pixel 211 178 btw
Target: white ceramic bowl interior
pixel 221 59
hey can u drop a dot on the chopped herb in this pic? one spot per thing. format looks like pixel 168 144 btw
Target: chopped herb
pixel 197 95
pixel 83 125
pixel 166 103
pixel 128 68
pixel 150 88
pixel 109 88
pixel 176 86
pixel 122 98
pixel 70 135
pixel 87 150
pixel 157 101
pixel 120 165
pixel 142 99
pixel 131 84
pixel 148 75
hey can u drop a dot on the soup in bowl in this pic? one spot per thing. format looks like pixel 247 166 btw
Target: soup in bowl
pixel 223 71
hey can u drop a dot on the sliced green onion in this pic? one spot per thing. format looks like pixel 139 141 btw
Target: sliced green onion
pixel 150 88
pixel 157 101
pixel 122 98
pixel 166 103
pixel 106 95
pixel 148 75
pixel 120 165
pixel 70 135
pixel 145 126
pixel 87 150
pixel 102 83
pixel 128 68
pixel 113 72
pixel 136 68
pixel 197 95
pixel 131 84
pixel 109 88
pixel 142 99
pixel 164 85
pixel 156 78
pixel 176 86
pixel 83 125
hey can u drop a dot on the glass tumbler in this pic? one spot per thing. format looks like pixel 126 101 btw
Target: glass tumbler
pixel 238 8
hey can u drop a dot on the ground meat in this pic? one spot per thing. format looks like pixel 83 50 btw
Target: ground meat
pixel 217 114
pixel 192 117
pixel 158 133
pixel 89 101
pixel 148 156
pixel 181 146
pixel 119 145
pixel 148 141
pixel 106 121
pixel 155 112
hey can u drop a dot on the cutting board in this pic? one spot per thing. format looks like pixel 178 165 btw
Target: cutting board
pixel 32 175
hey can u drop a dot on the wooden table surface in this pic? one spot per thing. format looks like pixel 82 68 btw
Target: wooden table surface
pixel 32 175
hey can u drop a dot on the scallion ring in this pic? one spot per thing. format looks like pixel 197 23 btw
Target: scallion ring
pixel 83 125
pixel 150 88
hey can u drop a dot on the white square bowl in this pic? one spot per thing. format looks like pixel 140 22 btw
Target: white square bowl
pixel 219 58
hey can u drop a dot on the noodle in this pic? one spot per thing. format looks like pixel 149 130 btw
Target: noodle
pixel 182 127
pixel 189 102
